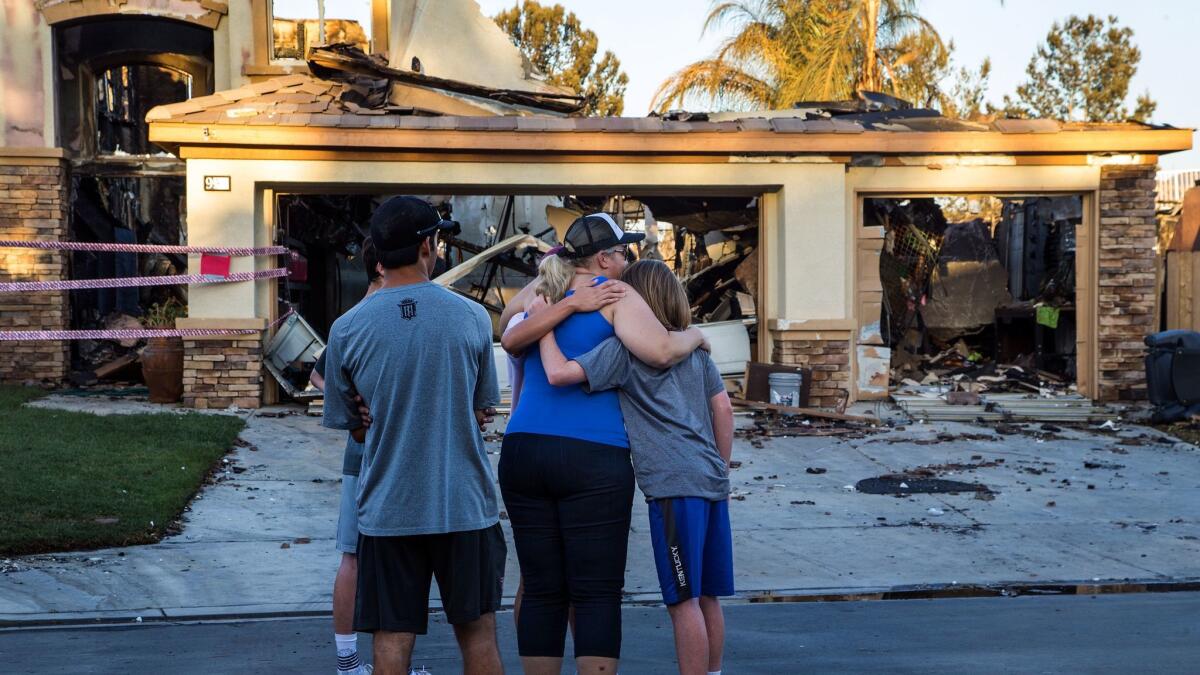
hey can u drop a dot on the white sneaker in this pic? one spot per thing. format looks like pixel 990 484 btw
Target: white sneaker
pixel 419 671
pixel 363 669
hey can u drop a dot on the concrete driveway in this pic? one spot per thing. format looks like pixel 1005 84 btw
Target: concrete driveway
pixel 1070 506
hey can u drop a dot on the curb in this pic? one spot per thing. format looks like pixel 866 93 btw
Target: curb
pixel 50 620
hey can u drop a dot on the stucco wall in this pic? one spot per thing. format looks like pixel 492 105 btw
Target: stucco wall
pixel 808 260
pixel 455 40
pixel 26 113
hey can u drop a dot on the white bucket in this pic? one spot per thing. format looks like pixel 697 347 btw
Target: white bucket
pixel 785 388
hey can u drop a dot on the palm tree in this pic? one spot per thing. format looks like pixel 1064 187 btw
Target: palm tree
pixel 786 51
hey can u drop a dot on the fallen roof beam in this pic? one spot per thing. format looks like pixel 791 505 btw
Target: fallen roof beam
pixel 470 265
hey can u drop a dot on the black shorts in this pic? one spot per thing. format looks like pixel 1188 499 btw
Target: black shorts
pixel 394 575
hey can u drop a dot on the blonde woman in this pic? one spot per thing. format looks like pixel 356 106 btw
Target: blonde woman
pixel 565 472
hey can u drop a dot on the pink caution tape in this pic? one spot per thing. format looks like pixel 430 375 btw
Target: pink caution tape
pixel 141 248
pixel 130 334
pixel 132 282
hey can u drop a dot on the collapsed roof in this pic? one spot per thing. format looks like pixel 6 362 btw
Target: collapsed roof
pixel 386 107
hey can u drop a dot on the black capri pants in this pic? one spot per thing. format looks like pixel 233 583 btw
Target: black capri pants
pixel 569 502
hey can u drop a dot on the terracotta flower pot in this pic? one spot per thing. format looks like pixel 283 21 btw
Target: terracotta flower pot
pixel 162 368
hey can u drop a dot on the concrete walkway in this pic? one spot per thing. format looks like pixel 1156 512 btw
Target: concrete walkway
pixel 1125 506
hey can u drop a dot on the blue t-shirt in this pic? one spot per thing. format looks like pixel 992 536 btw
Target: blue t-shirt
pixel 352 455
pixel 570 411
pixel 421 357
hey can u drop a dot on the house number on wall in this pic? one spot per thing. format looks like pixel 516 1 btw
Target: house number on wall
pixel 216 183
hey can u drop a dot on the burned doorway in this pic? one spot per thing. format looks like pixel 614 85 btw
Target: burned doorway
pixel 976 293
pixel 711 244
pixel 122 189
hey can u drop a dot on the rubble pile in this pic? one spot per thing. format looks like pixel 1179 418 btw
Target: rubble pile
pixel 978 293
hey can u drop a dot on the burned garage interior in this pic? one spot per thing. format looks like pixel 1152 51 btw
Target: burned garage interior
pixel 494 251
pixel 123 189
pixel 978 293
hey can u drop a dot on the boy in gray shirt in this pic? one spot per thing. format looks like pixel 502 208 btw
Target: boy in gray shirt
pixel 421 358
pixel 680 426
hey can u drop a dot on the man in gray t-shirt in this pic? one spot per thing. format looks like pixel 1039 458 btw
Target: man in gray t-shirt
pixel 421 358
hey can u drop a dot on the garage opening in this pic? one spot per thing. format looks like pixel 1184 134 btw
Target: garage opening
pixel 978 294
pixel 710 243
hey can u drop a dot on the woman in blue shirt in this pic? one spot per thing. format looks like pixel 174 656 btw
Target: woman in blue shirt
pixel 565 471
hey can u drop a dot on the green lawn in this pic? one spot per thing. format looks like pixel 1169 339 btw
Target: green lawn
pixel 73 480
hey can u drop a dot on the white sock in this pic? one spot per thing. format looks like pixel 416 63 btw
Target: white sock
pixel 347 651
pixel 714 672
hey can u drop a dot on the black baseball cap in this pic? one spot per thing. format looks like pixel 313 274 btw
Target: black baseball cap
pixel 595 232
pixel 401 223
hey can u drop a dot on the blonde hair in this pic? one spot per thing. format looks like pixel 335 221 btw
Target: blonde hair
pixel 554 277
pixel 660 288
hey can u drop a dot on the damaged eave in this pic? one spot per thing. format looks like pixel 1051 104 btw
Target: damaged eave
pixel 447 134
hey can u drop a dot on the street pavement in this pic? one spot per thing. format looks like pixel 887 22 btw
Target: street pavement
pixel 1072 505
pixel 1145 633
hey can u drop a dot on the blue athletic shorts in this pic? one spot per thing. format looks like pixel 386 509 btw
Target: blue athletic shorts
pixel 693 547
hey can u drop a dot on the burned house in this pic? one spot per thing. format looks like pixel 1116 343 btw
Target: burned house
pixel 868 242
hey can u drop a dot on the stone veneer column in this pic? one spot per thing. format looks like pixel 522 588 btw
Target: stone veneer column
pixel 33 207
pixel 1126 281
pixel 827 353
pixel 218 373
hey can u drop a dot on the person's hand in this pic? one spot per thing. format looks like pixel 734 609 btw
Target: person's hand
pixel 364 413
pixel 359 435
pixel 485 417
pixel 704 343
pixel 593 298
pixel 536 305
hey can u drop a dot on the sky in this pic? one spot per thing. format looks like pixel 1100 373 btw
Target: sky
pixel 653 38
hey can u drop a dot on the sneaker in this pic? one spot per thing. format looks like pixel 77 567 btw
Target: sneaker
pixel 419 671
pixel 363 669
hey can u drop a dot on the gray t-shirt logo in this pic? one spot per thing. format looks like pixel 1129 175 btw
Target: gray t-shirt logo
pixel 408 309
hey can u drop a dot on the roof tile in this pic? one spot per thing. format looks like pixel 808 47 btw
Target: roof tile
pixel 812 126
pixel 293 79
pixel 847 127
pixel 314 107
pixel 560 124
pixel 314 87
pixel 236 94
pixel 531 123
pixel 589 123
pixel 419 122
pixel 787 125
pixel 754 124
pixel 648 124
pixel 385 121
pixel 266 86
pixel 295 120
pixel 325 120
pixel 1007 126
pixel 208 101
pixel 354 121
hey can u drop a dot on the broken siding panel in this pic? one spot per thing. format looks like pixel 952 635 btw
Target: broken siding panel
pixel 1183 290
pixel 23 65
pixel 874 367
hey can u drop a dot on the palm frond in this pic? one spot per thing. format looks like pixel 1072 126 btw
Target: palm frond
pixel 717 81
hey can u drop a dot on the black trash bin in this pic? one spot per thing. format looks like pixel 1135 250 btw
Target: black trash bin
pixel 1173 374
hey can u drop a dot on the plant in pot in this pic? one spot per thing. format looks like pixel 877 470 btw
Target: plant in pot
pixel 162 358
